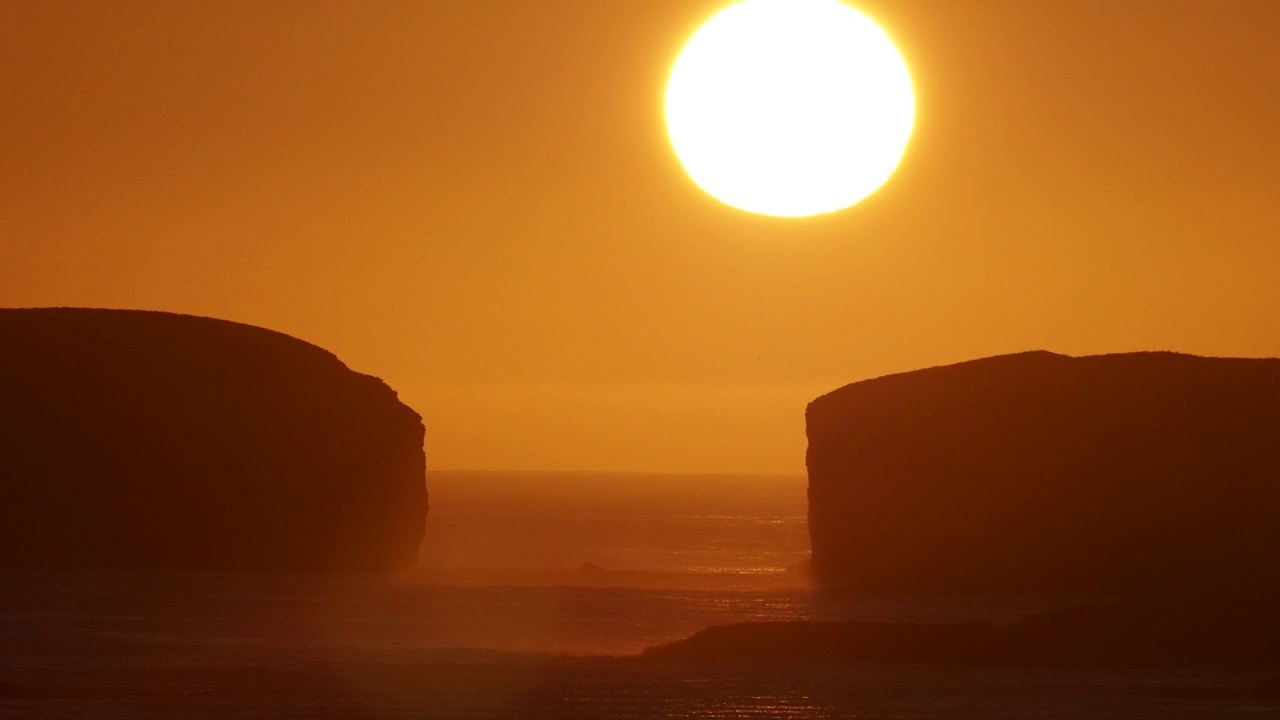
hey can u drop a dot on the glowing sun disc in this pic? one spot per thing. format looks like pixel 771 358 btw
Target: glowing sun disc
pixel 790 107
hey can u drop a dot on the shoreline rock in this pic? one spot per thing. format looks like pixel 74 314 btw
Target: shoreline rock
pixel 1152 632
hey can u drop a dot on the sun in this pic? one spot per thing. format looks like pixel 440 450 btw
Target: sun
pixel 790 107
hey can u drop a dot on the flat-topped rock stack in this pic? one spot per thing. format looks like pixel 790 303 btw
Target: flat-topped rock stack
pixel 1037 472
pixel 146 439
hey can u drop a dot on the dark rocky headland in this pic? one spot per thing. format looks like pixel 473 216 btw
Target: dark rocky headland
pixel 133 439
pixel 1042 473
pixel 1153 477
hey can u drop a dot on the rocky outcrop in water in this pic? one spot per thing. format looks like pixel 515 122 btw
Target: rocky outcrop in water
pixel 1230 631
pixel 146 439
pixel 1039 472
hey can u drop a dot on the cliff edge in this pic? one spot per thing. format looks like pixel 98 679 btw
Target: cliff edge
pixel 148 439
pixel 1036 472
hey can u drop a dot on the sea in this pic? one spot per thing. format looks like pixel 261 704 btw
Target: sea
pixel 534 597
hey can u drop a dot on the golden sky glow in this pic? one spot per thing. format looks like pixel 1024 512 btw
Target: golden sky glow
pixel 790 107
pixel 478 202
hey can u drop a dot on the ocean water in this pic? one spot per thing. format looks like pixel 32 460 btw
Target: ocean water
pixel 504 621
pixel 716 531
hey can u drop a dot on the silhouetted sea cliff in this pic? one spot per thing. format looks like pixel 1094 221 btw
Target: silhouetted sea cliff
pixel 1150 476
pixel 147 439
pixel 1042 473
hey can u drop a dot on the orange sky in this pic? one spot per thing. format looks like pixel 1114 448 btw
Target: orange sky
pixel 476 201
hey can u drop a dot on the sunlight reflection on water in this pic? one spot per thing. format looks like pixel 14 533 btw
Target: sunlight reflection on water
pixel 766 706
pixel 727 525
